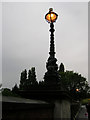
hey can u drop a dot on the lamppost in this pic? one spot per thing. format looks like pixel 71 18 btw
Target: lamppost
pixel 51 76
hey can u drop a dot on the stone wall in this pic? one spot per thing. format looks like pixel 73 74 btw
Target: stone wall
pixel 62 109
pixel 31 109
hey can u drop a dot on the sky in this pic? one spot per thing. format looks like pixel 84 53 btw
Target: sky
pixel 26 38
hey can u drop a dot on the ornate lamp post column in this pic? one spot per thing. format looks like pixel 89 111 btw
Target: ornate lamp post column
pixel 51 76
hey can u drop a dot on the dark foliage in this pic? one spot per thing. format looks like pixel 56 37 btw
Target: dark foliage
pixel 15 89
pixel 75 84
pixel 23 79
pixel 30 82
pixel 8 92
pixel 61 68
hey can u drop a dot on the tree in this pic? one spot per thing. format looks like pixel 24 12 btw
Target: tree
pixel 61 68
pixel 23 79
pixel 29 75
pixel 33 76
pixel 29 81
pixel 75 83
pixel 7 92
pixel 15 89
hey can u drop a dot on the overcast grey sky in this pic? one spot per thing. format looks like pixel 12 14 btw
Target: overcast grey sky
pixel 25 35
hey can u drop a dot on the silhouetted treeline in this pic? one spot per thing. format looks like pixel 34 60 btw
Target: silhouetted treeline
pixel 75 84
pixel 27 81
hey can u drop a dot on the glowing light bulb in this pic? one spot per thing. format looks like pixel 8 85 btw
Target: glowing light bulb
pixel 51 16
pixel 77 89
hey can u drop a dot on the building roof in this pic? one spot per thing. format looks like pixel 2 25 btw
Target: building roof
pixel 20 100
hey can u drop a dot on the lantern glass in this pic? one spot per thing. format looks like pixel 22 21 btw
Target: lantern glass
pixel 51 16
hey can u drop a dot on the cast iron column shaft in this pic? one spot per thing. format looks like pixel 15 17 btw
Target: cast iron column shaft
pixel 51 76
pixel 51 63
pixel 52 49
